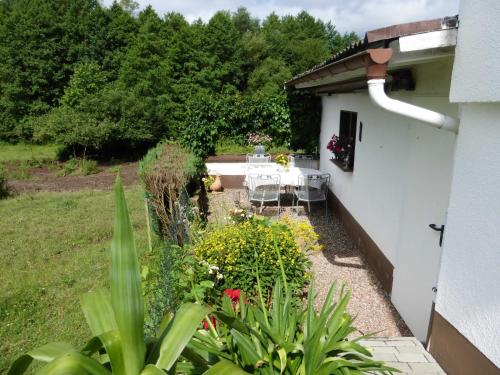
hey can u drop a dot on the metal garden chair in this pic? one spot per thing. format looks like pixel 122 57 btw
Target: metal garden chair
pixel 258 158
pixel 312 188
pixel 303 161
pixel 264 188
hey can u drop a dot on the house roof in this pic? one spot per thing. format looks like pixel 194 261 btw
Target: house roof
pixel 374 39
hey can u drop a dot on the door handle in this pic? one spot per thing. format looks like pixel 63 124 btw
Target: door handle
pixel 438 229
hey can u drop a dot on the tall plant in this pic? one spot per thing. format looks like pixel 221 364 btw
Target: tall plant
pixel 116 320
pixel 284 338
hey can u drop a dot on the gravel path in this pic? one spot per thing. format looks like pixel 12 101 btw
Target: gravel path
pixel 340 260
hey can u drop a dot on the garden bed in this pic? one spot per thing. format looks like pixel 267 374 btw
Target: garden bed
pixel 47 179
pixel 340 260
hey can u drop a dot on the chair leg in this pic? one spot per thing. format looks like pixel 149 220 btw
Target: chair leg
pixel 309 206
pixel 279 208
pixel 261 206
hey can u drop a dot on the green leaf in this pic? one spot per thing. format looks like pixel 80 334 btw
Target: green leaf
pixel 282 355
pixel 224 367
pixel 114 348
pixel 152 370
pixel 182 328
pixel 98 312
pixel 46 353
pixel 246 348
pixel 74 363
pixel 126 293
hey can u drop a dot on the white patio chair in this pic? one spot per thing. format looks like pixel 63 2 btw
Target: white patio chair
pixel 264 188
pixel 312 188
pixel 303 161
pixel 258 158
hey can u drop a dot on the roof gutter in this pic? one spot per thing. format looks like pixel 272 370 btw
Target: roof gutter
pixel 375 60
pixel 435 119
pixel 371 57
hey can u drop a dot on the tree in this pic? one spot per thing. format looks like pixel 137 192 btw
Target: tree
pixel 129 6
pixel 269 77
pixel 336 41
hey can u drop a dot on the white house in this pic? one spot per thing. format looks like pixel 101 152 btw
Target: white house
pixel 420 194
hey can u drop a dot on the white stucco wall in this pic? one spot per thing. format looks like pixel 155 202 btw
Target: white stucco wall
pixel 469 283
pixel 475 72
pixel 375 191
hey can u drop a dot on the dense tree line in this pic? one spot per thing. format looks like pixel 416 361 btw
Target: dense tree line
pixel 79 73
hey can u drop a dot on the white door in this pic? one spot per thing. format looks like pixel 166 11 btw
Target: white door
pixel 426 201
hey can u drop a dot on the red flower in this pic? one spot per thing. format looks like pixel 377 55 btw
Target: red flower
pixel 234 294
pixel 206 326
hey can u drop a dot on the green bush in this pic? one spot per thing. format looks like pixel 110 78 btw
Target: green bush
pixel 232 117
pixel 289 339
pixel 170 175
pixel 237 248
pixel 88 167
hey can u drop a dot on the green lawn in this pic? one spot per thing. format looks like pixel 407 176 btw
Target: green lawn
pixel 53 248
pixel 24 152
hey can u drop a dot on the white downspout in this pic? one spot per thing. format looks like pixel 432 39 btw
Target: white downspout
pixel 436 119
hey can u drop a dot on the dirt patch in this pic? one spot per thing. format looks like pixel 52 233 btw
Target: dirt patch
pixel 45 179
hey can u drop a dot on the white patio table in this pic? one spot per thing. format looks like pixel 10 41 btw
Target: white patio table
pixel 288 177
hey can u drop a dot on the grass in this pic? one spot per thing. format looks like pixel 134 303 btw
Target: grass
pixel 233 148
pixel 53 248
pixel 26 152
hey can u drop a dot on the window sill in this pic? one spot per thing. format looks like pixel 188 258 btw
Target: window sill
pixel 341 165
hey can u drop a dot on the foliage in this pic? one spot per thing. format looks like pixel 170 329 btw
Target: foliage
pixel 304 233
pixel 340 147
pixel 116 319
pixel 288 339
pixel 4 191
pixel 88 167
pixel 231 248
pixel 281 159
pixel 255 139
pixel 58 242
pixel 230 147
pixel 68 127
pixel 81 166
pixel 233 117
pixel 127 78
pixel 305 119
pixel 208 181
pixel 169 174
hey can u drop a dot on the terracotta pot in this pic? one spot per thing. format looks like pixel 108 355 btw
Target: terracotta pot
pixel 217 185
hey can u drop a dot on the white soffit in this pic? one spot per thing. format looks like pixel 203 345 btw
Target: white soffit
pixel 433 39
pixel 333 78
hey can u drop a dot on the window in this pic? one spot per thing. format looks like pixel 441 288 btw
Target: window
pixel 347 133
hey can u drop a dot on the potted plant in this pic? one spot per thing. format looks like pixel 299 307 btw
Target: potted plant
pixel 282 160
pixel 342 149
pixel 260 141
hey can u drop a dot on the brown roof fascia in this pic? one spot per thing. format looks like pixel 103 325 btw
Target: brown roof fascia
pixel 396 31
pixel 373 59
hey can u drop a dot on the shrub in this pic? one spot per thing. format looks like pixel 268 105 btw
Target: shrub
pixel 4 191
pixel 289 339
pixel 237 248
pixel 304 233
pixel 169 174
pixel 233 117
pixel 88 167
